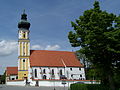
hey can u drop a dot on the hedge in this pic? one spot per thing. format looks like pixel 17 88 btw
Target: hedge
pixel 88 87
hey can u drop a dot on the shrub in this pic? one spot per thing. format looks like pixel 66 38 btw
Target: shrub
pixel 78 87
pixel 88 87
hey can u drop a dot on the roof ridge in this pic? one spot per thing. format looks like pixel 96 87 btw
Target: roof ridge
pixel 52 51
pixel 12 67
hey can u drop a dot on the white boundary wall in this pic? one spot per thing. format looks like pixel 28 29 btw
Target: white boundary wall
pixel 16 83
pixel 50 83
pixel 53 83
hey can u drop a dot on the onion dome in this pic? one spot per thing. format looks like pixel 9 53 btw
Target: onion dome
pixel 24 24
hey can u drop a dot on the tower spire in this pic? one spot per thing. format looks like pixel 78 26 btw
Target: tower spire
pixel 24 11
pixel 24 24
pixel 24 16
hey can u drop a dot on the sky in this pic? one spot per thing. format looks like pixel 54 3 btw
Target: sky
pixel 50 24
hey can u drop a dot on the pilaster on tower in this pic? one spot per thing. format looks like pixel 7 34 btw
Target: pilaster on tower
pixel 23 47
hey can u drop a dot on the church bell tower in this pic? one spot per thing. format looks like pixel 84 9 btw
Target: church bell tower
pixel 23 47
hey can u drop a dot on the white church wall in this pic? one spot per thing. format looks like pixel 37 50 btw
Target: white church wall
pixel 13 77
pixel 74 73
pixel 55 75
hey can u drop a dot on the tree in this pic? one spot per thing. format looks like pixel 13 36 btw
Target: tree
pixel 87 65
pixel 3 78
pixel 83 59
pixel 97 33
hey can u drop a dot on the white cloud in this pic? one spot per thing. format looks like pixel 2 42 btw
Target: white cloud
pixel 54 47
pixel 48 47
pixel 7 47
pixel 36 47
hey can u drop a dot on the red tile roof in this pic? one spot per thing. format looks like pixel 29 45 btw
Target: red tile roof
pixel 12 70
pixel 54 58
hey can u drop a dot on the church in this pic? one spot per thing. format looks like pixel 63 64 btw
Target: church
pixel 42 67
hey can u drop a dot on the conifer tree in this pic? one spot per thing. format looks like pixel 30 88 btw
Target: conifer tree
pixel 97 33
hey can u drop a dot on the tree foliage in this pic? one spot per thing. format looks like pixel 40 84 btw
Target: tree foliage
pixel 97 33
pixel 3 78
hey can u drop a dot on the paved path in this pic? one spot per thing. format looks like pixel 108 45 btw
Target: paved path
pixel 4 87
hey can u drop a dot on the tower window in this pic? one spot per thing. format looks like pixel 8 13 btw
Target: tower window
pixel 80 69
pixel 71 69
pixel 24 53
pixel 24 35
pixel 23 64
pixel 24 49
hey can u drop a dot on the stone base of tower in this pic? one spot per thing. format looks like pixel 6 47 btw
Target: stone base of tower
pixel 22 75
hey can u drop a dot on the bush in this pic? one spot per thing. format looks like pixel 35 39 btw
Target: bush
pixel 96 87
pixel 78 87
pixel 88 87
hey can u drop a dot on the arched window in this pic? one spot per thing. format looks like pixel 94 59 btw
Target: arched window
pixel 80 75
pixel 60 72
pixel 23 60
pixel 43 70
pixel 80 69
pixel 24 49
pixel 36 73
pixel 24 64
pixel 44 77
pixel 52 71
pixel 24 35
pixel 72 75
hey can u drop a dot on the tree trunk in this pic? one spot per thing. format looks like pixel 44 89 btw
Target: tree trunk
pixel 111 82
